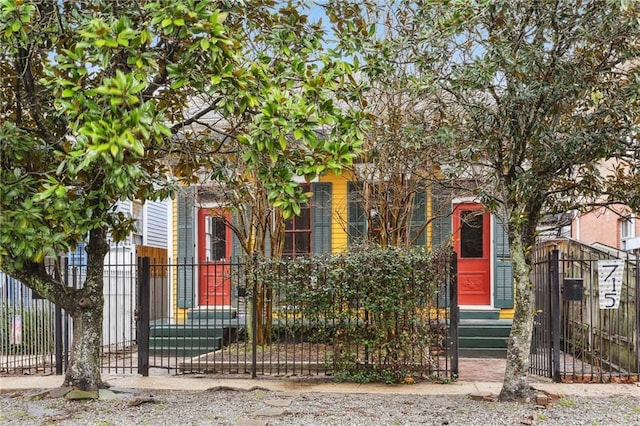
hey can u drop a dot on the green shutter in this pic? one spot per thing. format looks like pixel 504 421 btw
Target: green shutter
pixel 417 230
pixel 441 214
pixel 503 270
pixel 356 217
pixel 236 247
pixel 186 247
pixel 321 217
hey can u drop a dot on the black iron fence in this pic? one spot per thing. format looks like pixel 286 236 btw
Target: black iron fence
pixel 587 324
pixel 247 319
pixel 35 335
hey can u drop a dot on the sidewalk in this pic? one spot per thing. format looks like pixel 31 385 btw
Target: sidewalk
pixel 201 383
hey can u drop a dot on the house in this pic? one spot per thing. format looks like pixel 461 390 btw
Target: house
pixel 336 217
pixel 120 289
pixel 150 238
pixel 614 226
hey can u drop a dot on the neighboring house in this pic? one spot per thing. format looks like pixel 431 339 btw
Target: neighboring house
pixel 335 219
pixel 615 226
pixel 151 239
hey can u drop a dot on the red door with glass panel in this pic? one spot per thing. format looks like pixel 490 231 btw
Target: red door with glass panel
pixel 471 240
pixel 214 252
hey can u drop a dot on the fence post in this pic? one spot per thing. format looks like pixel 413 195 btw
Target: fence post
pixel 143 315
pixel 62 263
pixel 254 317
pixel 58 340
pixel 555 312
pixel 455 313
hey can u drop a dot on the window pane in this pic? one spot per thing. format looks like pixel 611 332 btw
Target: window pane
pixel 303 245
pixel 304 220
pixel 471 234
pixel 288 244
pixel 218 239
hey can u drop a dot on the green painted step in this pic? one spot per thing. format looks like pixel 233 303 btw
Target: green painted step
pixel 484 328
pixel 488 314
pixel 483 342
pixel 483 338
pixel 482 353
pixel 211 313
pixel 185 331
pixel 170 352
pixel 191 342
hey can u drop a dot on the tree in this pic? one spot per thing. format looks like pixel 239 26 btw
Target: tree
pixel 532 98
pixel 398 166
pixel 310 106
pixel 98 104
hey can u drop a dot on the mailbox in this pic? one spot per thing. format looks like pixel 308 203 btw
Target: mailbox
pixel 573 289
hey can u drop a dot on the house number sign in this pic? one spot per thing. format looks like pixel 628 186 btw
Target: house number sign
pixel 610 282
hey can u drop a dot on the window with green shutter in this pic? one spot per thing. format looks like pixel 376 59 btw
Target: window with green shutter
pixel 297 231
pixel 417 230
pixel 356 215
pixel 321 217
pixel 186 246
pixel 503 268
pixel 441 216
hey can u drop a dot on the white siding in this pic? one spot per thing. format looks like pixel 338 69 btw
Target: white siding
pixel 156 220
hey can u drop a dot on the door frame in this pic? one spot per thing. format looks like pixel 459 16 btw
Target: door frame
pixel 201 214
pixel 473 204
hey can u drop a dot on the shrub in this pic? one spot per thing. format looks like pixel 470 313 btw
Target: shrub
pixel 378 308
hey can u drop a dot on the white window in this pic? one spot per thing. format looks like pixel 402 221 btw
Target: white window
pixel 138 215
pixel 627 230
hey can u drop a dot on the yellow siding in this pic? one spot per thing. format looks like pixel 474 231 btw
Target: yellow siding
pixel 338 210
pixel 506 313
pixel 179 314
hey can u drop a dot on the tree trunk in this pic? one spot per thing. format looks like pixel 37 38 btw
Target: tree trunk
pixel 84 366
pixel 516 383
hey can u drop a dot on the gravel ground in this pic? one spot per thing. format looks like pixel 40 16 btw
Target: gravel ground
pixel 229 407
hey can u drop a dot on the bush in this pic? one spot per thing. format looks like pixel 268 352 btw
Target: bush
pixel 378 308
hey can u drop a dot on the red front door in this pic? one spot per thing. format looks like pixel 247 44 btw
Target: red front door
pixel 472 243
pixel 214 252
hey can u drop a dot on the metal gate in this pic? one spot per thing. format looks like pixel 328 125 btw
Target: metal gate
pixel 36 335
pixel 587 321
pixel 216 339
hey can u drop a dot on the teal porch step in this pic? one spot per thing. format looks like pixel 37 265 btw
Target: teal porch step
pixel 488 314
pixel 211 313
pixel 483 338
pixel 186 331
pixel 183 347
pixel 212 343
pixel 205 334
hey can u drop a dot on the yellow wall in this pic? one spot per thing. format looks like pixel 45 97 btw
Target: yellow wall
pixel 339 240
pixel 179 314
pixel 506 313
pixel 338 210
pixel 339 200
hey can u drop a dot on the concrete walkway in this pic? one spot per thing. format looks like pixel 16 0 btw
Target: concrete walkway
pixel 201 383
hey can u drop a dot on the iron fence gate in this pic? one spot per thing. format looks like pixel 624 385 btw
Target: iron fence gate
pixel 587 321
pixel 148 329
pixel 297 339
